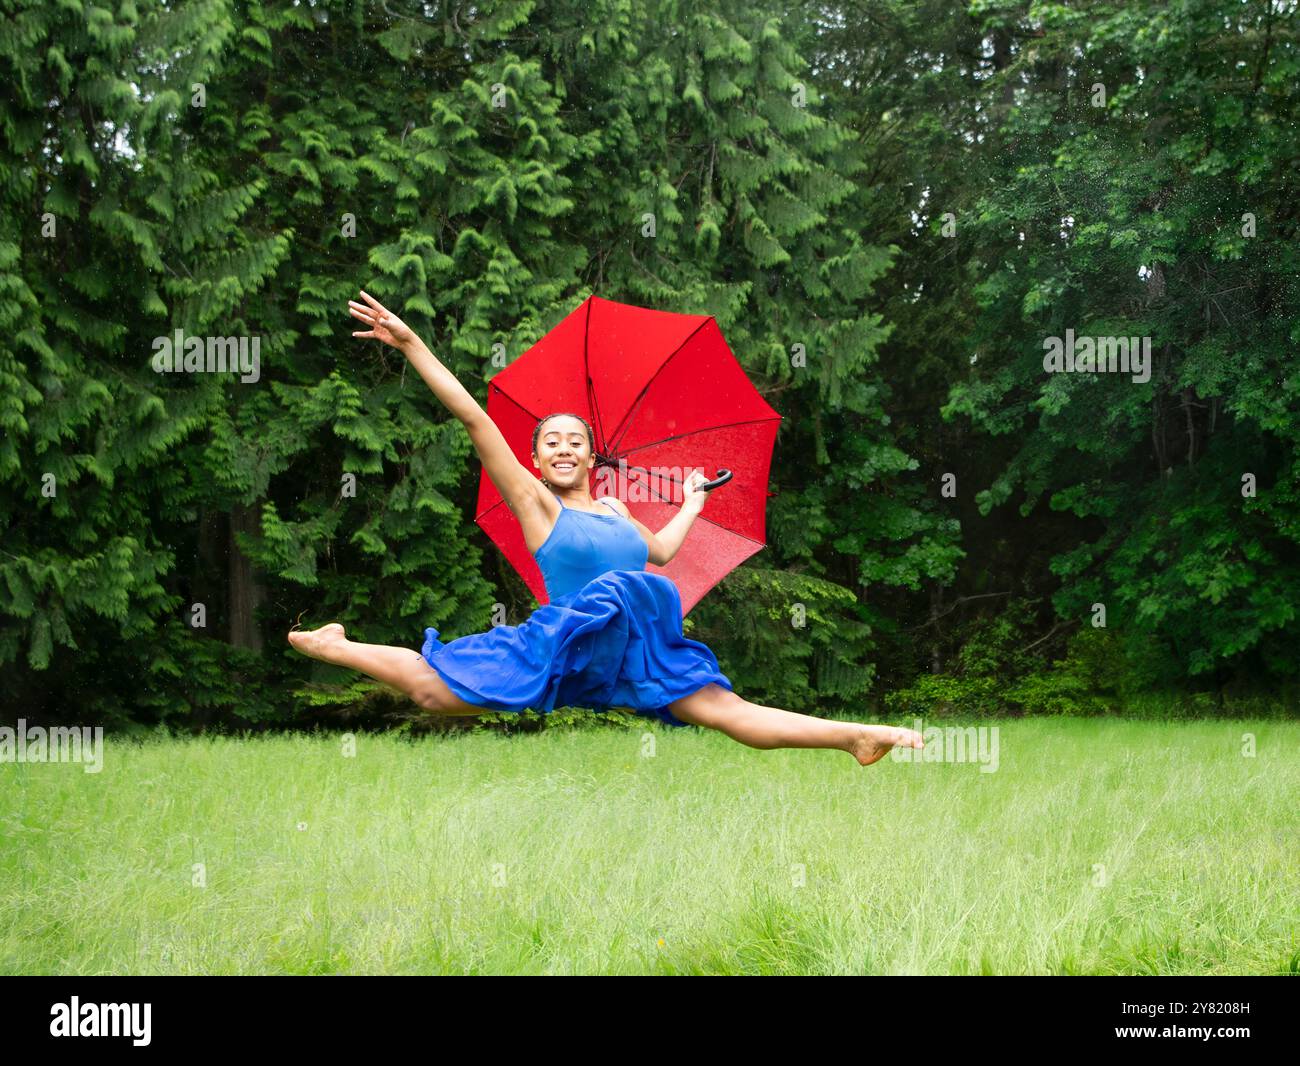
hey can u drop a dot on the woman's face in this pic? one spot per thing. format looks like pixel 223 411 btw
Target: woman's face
pixel 563 453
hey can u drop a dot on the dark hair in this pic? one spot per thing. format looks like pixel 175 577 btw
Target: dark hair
pixel 537 432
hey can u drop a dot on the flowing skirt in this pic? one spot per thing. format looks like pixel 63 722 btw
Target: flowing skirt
pixel 615 642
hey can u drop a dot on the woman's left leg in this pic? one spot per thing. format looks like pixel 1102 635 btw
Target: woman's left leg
pixel 770 727
pixel 402 668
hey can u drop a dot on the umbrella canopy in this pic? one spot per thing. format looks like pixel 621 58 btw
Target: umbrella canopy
pixel 664 396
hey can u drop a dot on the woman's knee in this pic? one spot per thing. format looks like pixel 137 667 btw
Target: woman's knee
pixel 708 706
pixel 433 694
pixel 426 696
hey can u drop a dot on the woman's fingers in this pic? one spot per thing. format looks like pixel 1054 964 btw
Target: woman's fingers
pixel 376 316
pixel 369 317
pixel 373 302
pixel 373 323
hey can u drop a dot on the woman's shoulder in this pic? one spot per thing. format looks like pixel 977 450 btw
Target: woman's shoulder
pixel 616 504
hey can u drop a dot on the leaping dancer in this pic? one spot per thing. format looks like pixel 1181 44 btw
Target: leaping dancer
pixel 611 635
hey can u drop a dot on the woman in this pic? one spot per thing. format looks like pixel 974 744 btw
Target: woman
pixel 611 635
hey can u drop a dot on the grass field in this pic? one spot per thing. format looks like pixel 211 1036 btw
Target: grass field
pixel 1099 846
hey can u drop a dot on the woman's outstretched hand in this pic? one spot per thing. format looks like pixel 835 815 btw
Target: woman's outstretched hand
pixel 384 325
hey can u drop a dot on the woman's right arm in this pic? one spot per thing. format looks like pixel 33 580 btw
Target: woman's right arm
pixel 512 479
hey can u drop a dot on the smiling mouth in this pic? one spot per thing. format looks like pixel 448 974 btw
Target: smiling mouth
pixel 564 466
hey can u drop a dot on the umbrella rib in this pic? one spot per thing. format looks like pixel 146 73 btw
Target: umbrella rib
pixel 622 428
pixel 586 370
pixel 702 429
pixel 505 395
pixel 480 517
pixel 680 436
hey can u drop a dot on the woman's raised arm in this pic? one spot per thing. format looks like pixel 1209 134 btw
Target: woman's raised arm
pixel 510 476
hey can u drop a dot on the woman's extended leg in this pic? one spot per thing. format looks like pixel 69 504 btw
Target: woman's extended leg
pixel 770 727
pixel 402 668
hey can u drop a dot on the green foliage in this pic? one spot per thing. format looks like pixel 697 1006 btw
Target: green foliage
pixel 1133 219
pixel 240 170
pixel 997 673
pixel 788 639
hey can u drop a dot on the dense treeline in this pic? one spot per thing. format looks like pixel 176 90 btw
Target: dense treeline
pixel 917 196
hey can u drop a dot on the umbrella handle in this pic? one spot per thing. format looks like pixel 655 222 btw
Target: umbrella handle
pixel 724 475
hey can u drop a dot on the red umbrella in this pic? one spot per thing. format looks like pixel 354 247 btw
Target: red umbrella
pixel 664 396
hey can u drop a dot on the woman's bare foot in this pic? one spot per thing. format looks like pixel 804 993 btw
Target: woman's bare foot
pixel 875 740
pixel 319 643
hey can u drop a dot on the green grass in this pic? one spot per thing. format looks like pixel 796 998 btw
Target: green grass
pixel 569 851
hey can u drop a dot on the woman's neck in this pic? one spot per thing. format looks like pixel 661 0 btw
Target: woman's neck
pixel 575 497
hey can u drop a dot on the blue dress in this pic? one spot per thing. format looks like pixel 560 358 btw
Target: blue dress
pixel 611 635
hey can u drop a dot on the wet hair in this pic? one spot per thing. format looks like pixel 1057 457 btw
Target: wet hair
pixel 537 432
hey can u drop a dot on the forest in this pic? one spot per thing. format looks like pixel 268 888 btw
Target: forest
pixel 1022 279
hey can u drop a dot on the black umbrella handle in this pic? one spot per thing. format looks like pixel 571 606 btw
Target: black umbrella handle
pixel 724 475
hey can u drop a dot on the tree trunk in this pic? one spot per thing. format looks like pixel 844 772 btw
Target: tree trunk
pixel 205 584
pixel 246 592
pixel 936 609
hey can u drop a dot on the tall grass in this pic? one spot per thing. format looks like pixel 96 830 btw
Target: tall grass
pixel 1097 846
